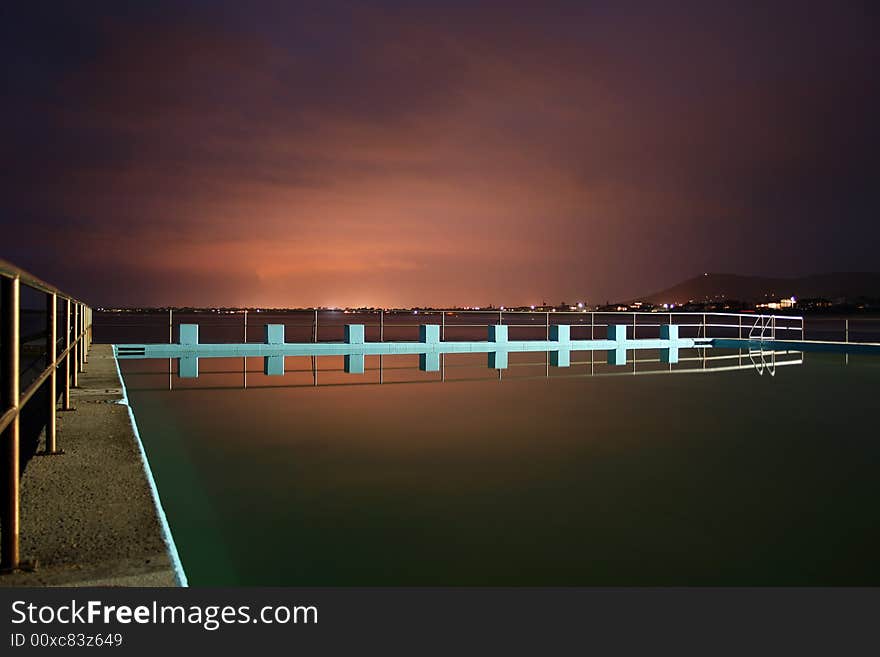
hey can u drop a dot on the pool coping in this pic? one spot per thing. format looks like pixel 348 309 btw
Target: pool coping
pixel 167 537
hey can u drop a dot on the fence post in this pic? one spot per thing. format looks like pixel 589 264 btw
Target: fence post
pixel 79 330
pixel 315 328
pixel 11 307
pixel 245 325
pixel 740 327
pixel 442 325
pixel 705 333
pixel 381 331
pixel 85 344
pixel 66 401
pixel 846 329
pixel 52 300
pixel 75 346
pixel 547 327
pixel 170 326
pixel 634 333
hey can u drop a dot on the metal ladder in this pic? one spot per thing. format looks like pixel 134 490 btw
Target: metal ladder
pixel 763 328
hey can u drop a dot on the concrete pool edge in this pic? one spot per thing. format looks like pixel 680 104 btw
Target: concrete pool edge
pixel 88 517
pixel 167 537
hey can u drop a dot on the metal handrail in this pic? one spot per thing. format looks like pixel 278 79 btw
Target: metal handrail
pixel 72 358
pixel 790 324
pixel 8 270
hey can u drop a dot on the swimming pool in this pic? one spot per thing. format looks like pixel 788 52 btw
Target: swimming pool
pixel 749 469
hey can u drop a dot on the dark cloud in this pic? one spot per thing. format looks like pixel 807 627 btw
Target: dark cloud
pixel 405 153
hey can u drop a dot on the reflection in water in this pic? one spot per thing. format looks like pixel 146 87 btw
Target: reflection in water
pixel 757 360
pixel 585 476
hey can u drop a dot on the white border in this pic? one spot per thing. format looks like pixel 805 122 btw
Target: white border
pixel 179 573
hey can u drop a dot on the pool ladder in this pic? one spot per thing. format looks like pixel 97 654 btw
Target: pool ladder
pixel 764 328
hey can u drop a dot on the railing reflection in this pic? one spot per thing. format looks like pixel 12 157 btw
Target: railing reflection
pixel 452 368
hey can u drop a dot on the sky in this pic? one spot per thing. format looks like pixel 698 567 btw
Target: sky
pixel 434 153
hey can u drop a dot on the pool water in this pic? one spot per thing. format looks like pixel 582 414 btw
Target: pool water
pixel 704 478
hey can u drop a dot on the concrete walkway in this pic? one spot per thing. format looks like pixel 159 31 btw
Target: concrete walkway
pixel 88 516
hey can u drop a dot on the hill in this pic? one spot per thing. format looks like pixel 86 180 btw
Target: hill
pixel 709 287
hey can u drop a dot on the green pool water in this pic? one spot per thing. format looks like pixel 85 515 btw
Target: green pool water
pixel 702 478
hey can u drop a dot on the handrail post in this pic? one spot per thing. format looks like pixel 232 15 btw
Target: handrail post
pixel 170 326
pixel 315 327
pixel 66 400
pixel 85 345
pixel 82 344
pixel 82 329
pixel 634 335
pixel 11 307
pixel 79 325
pixel 442 325
pixel 547 326
pixel 75 361
pixel 846 329
pixel 79 334
pixel 740 327
pixel 381 330
pixel 244 337
pixel 52 302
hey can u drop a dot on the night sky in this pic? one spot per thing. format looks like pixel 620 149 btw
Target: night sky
pixel 397 154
